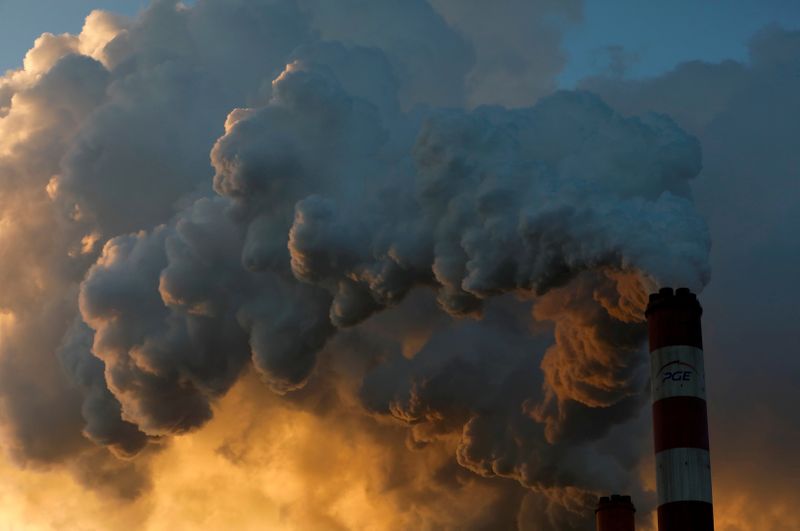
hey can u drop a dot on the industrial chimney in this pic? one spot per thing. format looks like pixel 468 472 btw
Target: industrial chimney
pixel 614 513
pixel 680 424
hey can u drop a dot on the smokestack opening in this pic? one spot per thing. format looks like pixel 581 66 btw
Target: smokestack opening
pixel 615 513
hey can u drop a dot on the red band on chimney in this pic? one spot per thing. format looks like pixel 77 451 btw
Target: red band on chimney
pixel 674 319
pixel 686 516
pixel 680 422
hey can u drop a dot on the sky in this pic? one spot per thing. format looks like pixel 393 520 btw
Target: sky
pixel 296 264
pixel 655 37
pixel 21 22
pixel 652 38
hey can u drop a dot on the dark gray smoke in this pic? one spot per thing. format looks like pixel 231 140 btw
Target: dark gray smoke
pixel 349 189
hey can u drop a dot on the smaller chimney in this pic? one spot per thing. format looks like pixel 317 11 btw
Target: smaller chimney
pixel 615 513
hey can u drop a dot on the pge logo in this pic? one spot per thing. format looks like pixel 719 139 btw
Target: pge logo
pixel 677 371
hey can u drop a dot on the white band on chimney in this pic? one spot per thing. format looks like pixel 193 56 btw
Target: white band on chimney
pixel 683 474
pixel 677 371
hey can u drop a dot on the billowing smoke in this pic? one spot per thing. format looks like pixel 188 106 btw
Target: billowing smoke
pixel 362 239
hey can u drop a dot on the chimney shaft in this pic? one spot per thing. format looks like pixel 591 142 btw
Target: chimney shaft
pixel 614 513
pixel 680 425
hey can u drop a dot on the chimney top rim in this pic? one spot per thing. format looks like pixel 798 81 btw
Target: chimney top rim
pixel 666 297
pixel 615 501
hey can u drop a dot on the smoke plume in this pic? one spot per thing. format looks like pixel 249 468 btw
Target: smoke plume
pixel 459 286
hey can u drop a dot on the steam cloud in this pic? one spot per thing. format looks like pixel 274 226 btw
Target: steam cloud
pixel 352 186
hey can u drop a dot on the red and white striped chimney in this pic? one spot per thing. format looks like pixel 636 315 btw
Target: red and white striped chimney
pixel 680 423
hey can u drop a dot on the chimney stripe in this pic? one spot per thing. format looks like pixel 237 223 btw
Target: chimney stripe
pixel 677 371
pixel 683 474
pixel 680 422
pixel 673 328
pixel 686 516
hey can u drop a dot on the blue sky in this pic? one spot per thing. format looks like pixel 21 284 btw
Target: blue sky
pixel 656 36
pixel 650 37
pixel 21 21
